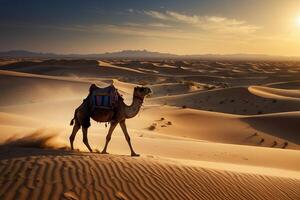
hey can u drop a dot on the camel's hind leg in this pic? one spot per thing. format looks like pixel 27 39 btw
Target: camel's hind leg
pixel 85 138
pixel 76 127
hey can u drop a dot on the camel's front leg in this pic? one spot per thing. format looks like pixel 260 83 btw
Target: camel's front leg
pixel 85 138
pixel 124 129
pixel 108 137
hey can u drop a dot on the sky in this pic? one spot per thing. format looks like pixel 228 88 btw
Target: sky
pixel 173 26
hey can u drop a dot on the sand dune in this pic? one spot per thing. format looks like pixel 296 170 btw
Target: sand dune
pixel 165 89
pixel 225 128
pixel 69 175
pixel 106 64
pixel 88 68
pixel 274 93
pixel 275 123
pixel 208 131
pixel 285 85
pixel 124 87
pixel 32 88
pixel 236 100
pixel 29 89
pixel 210 126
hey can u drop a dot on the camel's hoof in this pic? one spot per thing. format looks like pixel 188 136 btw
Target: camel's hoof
pixel 104 152
pixel 97 151
pixel 135 155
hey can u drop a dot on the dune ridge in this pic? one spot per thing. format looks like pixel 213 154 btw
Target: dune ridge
pixel 275 93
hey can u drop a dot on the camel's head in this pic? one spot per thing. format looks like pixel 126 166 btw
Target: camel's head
pixel 141 91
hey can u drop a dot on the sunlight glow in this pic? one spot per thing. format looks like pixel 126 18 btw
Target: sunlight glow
pixel 298 21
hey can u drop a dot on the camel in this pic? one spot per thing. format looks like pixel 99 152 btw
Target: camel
pixel 115 116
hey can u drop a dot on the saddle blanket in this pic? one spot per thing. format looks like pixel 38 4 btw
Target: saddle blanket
pixel 105 98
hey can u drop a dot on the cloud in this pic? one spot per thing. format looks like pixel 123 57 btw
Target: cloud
pixel 171 25
pixel 192 19
pixel 215 19
pixel 157 15
pixel 160 25
pixel 207 23
pixel 165 32
pixel 175 25
pixel 144 31
pixel 145 25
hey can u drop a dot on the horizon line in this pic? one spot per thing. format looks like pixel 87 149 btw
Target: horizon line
pixel 149 51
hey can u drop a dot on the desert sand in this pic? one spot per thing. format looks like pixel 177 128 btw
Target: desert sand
pixel 209 130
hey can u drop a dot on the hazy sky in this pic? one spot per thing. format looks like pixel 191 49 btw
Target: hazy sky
pixel 175 26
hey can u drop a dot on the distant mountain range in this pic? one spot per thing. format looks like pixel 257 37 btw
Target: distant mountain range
pixel 139 54
pixel 120 54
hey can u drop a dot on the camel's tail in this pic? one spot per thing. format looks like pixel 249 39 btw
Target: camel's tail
pixel 72 121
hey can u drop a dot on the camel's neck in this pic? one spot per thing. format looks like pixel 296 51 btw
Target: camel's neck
pixel 134 108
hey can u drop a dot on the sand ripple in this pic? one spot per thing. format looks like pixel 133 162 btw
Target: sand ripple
pixel 59 175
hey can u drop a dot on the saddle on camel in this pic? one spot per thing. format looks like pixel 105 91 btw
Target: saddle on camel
pixel 105 98
pixel 107 105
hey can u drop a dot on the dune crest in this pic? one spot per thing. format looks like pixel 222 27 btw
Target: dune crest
pixel 275 93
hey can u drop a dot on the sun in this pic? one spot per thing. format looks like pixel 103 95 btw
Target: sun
pixel 298 21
